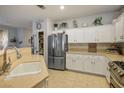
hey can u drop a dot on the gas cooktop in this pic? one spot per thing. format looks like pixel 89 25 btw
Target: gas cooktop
pixel 120 64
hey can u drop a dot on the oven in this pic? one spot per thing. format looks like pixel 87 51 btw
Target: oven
pixel 114 83
pixel 116 74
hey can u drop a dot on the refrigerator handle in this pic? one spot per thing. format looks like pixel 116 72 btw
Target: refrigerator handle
pixel 63 42
pixel 66 43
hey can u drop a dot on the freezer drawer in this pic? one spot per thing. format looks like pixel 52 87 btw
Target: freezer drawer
pixel 59 63
pixel 50 62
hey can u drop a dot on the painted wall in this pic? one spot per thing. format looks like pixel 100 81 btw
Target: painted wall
pixel 107 19
pixel 12 32
pixel 48 31
pixel 27 37
pixel 24 35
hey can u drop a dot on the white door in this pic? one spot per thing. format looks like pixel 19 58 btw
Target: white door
pixel 71 35
pixel 75 62
pixel 89 64
pixel 69 61
pixel 79 62
pixel 119 25
pixel 107 72
pixel 99 65
pixel 105 34
pixel 79 35
pixel 90 34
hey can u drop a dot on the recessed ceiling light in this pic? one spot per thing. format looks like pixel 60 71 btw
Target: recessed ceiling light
pixel 62 7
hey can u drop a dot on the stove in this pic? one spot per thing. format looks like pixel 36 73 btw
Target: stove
pixel 116 73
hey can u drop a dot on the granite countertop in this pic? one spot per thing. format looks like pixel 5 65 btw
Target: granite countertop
pixel 111 56
pixel 26 81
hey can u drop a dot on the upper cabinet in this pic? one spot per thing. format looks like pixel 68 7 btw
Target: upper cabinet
pixel 94 34
pixel 119 28
pixel 105 34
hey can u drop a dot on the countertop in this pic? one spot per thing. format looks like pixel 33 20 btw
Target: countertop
pixel 111 56
pixel 26 81
pixel 13 50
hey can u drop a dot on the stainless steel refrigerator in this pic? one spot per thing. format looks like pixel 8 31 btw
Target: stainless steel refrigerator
pixel 57 48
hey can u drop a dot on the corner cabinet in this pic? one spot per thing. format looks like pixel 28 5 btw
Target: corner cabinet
pixel 119 28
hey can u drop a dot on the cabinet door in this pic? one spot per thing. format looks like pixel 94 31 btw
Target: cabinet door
pixel 105 34
pixel 79 62
pixel 79 35
pixel 90 35
pixel 75 62
pixel 71 35
pixel 107 72
pixel 119 26
pixel 89 64
pixel 99 65
pixel 69 61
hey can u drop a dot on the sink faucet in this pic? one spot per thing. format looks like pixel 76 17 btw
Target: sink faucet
pixel 7 63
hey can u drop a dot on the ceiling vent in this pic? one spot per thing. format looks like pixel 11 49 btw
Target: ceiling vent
pixel 41 6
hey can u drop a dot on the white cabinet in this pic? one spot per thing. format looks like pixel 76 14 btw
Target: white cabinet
pixel 58 31
pixel 69 61
pixel 75 35
pixel 107 72
pixel 87 63
pixel 119 28
pixel 74 62
pixel 95 64
pixel 90 35
pixel 94 34
pixel 72 35
pixel 105 34
pixel 99 65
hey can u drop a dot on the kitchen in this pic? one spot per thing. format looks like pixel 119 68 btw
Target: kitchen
pixel 59 48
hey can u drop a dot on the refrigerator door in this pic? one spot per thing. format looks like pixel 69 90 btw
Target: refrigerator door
pixel 51 45
pixel 65 43
pixel 58 48
pixel 50 62
pixel 59 63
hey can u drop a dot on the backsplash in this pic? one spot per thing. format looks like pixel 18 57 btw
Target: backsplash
pixel 84 47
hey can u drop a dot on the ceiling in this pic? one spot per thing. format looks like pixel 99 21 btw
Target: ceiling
pixel 22 15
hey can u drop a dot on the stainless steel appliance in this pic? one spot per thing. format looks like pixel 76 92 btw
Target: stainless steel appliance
pixel 57 47
pixel 116 74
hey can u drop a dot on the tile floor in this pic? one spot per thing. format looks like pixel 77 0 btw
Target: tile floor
pixel 70 79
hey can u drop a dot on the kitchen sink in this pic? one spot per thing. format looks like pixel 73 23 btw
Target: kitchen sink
pixel 28 68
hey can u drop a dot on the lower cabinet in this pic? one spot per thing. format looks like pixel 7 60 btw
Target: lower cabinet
pixel 74 62
pixel 88 63
pixel 107 73
pixel 42 84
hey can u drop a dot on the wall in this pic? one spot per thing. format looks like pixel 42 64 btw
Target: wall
pixel 27 37
pixel 12 32
pixel 49 27
pixel 107 19
pixel 24 35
